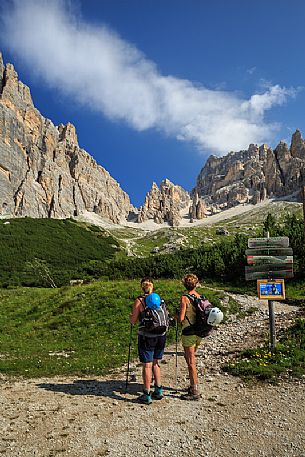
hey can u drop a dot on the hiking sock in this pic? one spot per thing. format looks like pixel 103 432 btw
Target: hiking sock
pixel 145 397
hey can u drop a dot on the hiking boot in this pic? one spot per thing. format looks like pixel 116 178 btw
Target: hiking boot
pixel 145 398
pixel 158 393
pixel 191 395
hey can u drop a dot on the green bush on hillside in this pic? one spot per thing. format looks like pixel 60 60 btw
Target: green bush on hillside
pixel 226 259
pixel 223 260
pixel 69 251
pixel 62 245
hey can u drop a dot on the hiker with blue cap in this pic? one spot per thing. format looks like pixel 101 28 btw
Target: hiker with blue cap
pixel 153 318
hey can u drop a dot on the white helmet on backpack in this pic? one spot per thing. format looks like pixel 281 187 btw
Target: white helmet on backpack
pixel 215 316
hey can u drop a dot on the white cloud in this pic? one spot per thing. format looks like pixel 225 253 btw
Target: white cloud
pixel 251 70
pixel 97 68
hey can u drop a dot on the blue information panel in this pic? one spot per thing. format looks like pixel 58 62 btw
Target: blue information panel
pixel 271 290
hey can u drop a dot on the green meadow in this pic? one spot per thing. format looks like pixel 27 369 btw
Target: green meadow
pixel 74 330
pixel 84 329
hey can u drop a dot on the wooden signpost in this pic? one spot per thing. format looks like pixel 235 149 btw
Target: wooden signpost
pixel 270 261
pixel 269 258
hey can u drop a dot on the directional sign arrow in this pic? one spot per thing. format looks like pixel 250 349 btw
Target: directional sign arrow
pixel 268 259
pixel 268 267
pixel 284 274
pixel 278 241
pixel 269 251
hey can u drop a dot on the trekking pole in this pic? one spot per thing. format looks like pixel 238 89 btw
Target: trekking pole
pixel 129 351
pixel 176 354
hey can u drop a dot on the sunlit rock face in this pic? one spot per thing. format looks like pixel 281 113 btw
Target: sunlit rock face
pixel 164 204
pixel 252 175
pixel 43 171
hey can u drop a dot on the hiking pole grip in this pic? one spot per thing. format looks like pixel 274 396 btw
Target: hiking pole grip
pixel 129 351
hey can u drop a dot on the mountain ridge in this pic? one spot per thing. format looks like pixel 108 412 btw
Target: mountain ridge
pixel 252 175
pixel 44 172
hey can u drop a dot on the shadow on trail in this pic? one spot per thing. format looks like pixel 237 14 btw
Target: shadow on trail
pixel 114 389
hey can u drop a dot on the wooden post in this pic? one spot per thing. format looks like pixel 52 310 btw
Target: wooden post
pixel 271 317
pixel 271 325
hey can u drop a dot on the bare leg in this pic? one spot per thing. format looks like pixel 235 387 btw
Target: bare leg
pixel 147 374
pixel 157 372
pixel 189 354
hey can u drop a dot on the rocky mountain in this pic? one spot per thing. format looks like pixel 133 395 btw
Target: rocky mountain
pixel 43 171
pixel 164 204
pixel 252 175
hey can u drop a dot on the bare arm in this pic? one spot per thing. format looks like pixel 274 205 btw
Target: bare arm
pixel 136 309
pixel 183 306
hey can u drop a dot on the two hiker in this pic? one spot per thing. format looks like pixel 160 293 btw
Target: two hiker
pixel 196 316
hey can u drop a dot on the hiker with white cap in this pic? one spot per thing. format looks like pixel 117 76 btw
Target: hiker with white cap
pixel 197 317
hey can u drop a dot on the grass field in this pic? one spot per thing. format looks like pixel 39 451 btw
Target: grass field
pixel 77 330
pixel 82 329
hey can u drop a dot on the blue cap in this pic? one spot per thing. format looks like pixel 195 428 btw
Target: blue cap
pixel 153 301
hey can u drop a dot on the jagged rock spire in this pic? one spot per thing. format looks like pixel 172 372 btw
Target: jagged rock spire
pixel 164 204
pixel 297 147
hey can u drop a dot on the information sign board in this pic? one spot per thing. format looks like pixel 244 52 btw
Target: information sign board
pixel 271 290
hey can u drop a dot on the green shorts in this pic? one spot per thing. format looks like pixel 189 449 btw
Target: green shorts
pixel 189 341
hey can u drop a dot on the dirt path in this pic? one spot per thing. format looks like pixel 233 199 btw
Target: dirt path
pixel 94 417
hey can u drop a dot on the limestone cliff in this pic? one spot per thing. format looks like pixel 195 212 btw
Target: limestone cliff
pixel 252 175
pixel 43 171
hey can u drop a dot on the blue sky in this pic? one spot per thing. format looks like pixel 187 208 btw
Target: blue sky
pixel 155 86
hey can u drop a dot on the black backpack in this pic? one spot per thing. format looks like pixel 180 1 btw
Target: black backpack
pixel 155 321
pixel 202 308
